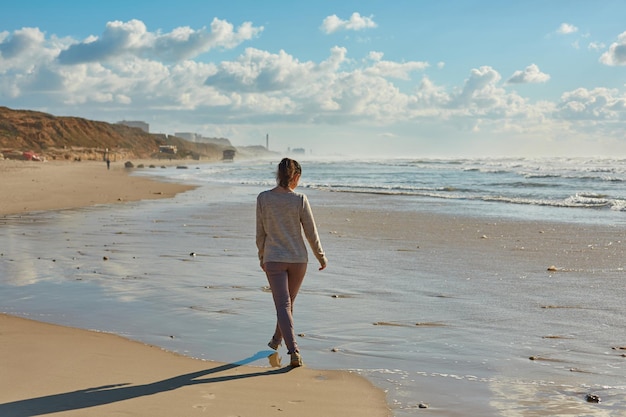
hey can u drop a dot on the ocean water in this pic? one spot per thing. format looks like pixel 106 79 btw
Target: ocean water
pixel 182 273
pixel 598 184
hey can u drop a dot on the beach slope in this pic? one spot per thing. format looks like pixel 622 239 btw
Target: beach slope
pixel 50 369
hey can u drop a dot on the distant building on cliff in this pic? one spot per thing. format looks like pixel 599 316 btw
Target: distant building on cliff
pixel 169 149
pixel 136 123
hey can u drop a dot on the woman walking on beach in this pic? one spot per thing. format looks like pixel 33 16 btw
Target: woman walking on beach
pixel 281 216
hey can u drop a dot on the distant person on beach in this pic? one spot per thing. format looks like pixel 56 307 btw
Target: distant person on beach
pixel 281 216
pixel 108 163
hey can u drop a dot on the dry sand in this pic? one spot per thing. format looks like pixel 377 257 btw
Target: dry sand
pixel 33 186
pixel 49 369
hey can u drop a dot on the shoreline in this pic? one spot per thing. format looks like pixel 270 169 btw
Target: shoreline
pixel 362 232
pixel 110 374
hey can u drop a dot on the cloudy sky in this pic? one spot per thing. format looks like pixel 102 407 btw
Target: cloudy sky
pixel 395 78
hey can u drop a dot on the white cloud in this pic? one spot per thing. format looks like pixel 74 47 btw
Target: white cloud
pixel 596 46
pixel 321 91
pixel 391 69
pixel 480 89
pixel 261 71
pixel 375 56
pixel 616 55
pixel 532 74
pixel 596 104
pixel 132 38
pixel 566 29
pixel 429 97
pixel 25 49
pixel 22 42
pixel 333 23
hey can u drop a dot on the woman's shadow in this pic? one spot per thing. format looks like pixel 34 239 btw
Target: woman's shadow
pixel 92 397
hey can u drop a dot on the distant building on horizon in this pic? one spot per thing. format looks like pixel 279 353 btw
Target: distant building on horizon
pixel 136 123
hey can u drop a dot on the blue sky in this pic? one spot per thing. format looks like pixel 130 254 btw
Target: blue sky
pixel 395 78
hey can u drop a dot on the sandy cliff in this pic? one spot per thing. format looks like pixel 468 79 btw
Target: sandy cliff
pixel 74 138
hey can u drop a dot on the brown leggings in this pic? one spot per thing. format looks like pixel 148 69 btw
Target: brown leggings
pixel 285 280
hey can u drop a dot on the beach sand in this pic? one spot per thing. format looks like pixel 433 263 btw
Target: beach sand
pixel 50 369
pixel 33 186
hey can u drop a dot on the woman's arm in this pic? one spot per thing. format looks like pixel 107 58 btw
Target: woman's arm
pixel 260 232
pixel 310 232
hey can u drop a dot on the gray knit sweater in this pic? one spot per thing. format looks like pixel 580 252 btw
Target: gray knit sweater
pixel 280 220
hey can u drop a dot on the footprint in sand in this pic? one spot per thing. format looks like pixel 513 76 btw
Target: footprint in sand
pixel 203 407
